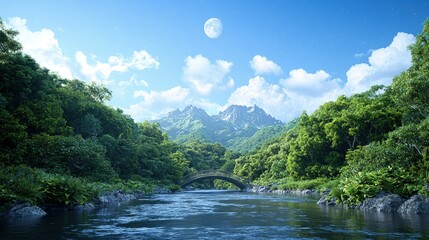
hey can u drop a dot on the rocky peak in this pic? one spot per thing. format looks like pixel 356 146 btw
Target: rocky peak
pixel 188 112
pixel 243 116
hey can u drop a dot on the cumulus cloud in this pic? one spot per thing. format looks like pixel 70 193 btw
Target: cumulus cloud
pixel 156 104
pixel 133 81
pixel 384 64
pixel 278 101
pixel 313 84
pixel 100 72
pixel 172 95
pixel 205 76
pixel 43 47
pixel 271 97
pixel 261 65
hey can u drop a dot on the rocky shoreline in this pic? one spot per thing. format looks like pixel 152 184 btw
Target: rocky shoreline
pixel 267 189
pixel 383 202
pixel 110 199
pixel 387 203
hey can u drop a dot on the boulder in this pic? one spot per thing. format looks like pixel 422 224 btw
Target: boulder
pixel 383 202
pixel 114 198
pixel 324 200
pixel 417 204
pixel 25 210
pixel 261 189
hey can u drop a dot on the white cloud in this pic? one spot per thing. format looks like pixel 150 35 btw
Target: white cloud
pixel 43 47
pixel 359 55
pixel 100 72
pixel 300 102
pixel 156 104
pixel 270 97
pixel 205 76
pixel 279 102
pixel 172 95
pixel 384 64
pixel 261 65
pixel 133 82
pixel 312 84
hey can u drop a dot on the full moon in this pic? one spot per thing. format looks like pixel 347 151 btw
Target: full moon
pixel 213 28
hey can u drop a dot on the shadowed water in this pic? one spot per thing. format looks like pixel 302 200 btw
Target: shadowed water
pixel 218 215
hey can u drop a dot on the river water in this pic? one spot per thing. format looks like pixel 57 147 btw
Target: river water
pixel 217 215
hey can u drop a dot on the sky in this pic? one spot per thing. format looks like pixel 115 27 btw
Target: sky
pixel 284 56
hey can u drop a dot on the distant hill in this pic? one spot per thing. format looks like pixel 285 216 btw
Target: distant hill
pixel 238 128
pixel 263 135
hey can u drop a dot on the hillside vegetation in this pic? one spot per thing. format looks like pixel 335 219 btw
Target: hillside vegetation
pixel 60 143
pixel 369 142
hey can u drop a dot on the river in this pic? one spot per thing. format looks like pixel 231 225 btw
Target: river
pixel 217 215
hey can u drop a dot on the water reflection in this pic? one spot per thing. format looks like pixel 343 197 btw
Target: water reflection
pixel 220 215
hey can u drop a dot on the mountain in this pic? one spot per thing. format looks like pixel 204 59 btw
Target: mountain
pixel 263 135
pixel 232 127
pixel 244 117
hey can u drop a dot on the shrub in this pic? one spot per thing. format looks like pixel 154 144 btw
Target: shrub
pixel 356 188
pixel 67 190
pixel 20 184
pixel 316 184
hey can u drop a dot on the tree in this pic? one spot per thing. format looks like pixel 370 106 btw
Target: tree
pixel 411 88
pixel 8 44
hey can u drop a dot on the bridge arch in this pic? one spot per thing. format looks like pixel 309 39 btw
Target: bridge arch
pixel 214 174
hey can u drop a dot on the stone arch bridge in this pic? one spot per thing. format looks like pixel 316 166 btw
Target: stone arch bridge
pixel 214 174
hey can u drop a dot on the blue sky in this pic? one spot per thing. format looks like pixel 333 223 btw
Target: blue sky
pixel 284 56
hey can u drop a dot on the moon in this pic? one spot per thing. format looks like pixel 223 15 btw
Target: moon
pixel 213 28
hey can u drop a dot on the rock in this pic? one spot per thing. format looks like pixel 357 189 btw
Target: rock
pixel 383 202
pixel 324 200
pixel 25 210
pixel 417 204
pixel 114 198
pixel 277 191
pixel 86 206
pixel 260 189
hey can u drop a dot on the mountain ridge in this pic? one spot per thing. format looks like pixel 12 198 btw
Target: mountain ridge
pixel 235 124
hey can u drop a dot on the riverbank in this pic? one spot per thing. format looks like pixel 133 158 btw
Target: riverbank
pixel 108 199
pixel 382 202
pixel 269 189
pixel 386 203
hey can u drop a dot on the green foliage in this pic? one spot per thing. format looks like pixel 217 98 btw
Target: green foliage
pixel 57 137
pixel 67 190
pixel 316 147
pixel 356 188
pixel 220 184
pixel 247 144
pixel 20 183
pixel 64 128
pixel 313 184
pixel 410 89
pixel 8 44
pixel 70 155
pixel 12 134
pixel 122 155
pixel 205 156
